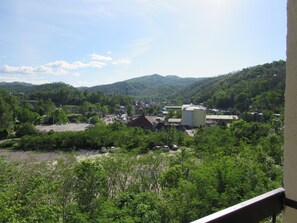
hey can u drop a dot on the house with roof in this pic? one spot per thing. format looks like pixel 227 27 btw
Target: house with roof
pixel 146 122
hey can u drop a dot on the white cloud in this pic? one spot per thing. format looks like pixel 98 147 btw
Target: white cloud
pixel 59 67
pixel 97 64
pixel 75 65
pixel 122 61
pixel 17 70
pixel 95 56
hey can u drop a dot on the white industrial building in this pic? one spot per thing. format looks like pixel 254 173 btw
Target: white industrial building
pixel 193 115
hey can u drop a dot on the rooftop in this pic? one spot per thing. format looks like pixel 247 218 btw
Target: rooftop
pixel 222 117
pixel 192 107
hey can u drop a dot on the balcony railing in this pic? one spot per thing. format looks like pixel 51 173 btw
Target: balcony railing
pixel 251 211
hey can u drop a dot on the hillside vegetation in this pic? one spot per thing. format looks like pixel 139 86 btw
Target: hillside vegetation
pixel 151 87
pixel 259 88
pixel 219 167
pixel 54 104
pixel 155 86
pixel 256 88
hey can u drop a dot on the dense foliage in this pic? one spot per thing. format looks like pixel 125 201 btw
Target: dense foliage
pixel 55 103
pixel 221 167
pixel 102 135
pixel 149 88
pixel 256 88
pixel 152 87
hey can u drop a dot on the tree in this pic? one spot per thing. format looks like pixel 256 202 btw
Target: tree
pixel 90 185
pixel 242 102
pixel 59 116
pixel 6 114
pixel 25 115
pixel 25 129
pixel 46 107
pixel 130 110
pixel 94 120
pixel 171 177
pixel 105 110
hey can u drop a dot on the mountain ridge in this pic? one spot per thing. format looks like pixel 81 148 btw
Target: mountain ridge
pixel 255 88
pixel 150 86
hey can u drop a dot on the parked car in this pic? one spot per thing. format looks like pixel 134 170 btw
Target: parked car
pixel 157 147
pixel 174 147
pixel 103 150
pixel 165 148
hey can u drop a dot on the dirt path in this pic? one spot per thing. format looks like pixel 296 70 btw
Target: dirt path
pixel 33 156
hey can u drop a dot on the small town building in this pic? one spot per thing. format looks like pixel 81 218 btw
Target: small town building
pixel 193 115
pixel 174 107
pixel 174 121
pixel 146 122
pixel 220 119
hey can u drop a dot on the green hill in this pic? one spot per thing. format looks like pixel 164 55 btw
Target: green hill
pixel 59 93
pixel 15 87
pixel 151 86
pixel 257 88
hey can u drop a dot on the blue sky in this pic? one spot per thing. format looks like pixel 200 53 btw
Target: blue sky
pixel 93 42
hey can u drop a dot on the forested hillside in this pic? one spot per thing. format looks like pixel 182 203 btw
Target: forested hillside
pixel 155 86
pixel 256 88
pixel 59 93
pixel 259 88
pixel 152 87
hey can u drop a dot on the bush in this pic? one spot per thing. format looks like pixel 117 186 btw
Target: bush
pixel 25 129
pixel 3 134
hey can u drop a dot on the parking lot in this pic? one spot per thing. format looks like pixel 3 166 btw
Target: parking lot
pixel 63 128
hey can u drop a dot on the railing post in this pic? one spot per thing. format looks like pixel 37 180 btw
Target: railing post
pixel 290 150
pixel 251 211
pixel 274 218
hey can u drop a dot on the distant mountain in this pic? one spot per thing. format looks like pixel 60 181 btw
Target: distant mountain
pixel 22 87
pixel 151 86
pixel 154 86
pixel 59 93
pixel 15 84
pixel 258 88
pixel 15 87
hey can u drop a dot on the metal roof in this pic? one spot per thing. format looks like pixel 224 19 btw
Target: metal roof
pixel 193 107
pixel 222 117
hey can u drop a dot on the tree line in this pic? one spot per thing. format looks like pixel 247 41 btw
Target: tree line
pixel 55 104
pixel 220 167
pixel 258 89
